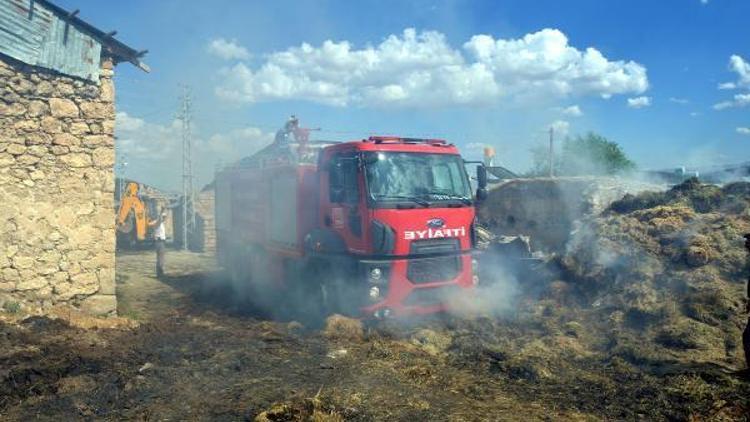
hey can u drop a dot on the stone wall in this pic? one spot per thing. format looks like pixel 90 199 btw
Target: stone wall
pixel 205 227
pixel 57 236
pixel 547 209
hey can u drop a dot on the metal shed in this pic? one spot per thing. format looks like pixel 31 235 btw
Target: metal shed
pixel 41 34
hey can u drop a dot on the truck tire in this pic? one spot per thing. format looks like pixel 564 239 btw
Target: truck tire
pixel 339 295
pixel 240 276
pixel 308 300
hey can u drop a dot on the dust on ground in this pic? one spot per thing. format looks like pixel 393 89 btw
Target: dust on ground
pixel 649 335
pixel 197 355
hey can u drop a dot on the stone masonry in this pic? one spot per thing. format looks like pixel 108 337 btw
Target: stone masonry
pixel 57 235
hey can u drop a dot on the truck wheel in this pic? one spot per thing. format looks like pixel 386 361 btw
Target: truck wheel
pixel 317 293
pixel 331 293
pixel 240 277
pixel 343 295
pixel 312 299
pixel 258 268
pixel 234 270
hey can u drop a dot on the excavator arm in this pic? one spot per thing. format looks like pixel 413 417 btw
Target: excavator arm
pixel 132 203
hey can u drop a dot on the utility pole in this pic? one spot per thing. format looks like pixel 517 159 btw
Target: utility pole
pixel 188 211
pixel 551 152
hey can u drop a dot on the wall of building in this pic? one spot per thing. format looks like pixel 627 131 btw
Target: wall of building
pixel 547 209
pixel 205 240
pixel 57 236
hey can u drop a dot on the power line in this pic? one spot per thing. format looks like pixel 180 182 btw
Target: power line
pixel 238 123
pixel 363 132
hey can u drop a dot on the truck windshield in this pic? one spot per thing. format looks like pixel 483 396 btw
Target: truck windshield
pixel 416 178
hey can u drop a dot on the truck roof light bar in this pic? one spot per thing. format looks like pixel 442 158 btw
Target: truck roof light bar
pixel 399 140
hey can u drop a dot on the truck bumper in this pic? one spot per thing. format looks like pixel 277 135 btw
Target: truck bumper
pixel 417 286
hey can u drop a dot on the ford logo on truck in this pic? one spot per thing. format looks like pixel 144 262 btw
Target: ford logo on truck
pixel 435 223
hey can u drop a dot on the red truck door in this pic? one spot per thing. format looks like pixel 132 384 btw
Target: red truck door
pixel 342 203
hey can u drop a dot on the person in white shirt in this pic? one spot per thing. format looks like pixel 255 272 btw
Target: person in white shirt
pixel 160 238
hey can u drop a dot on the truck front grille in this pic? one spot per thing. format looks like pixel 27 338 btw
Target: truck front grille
pixel 429 296
pixel 428 270
pixel 434 246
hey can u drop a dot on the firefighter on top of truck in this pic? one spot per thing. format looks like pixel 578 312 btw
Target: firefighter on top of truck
pixel 290 129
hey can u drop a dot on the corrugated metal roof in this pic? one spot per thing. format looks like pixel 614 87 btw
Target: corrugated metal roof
pixel 41 34
pixel 34 35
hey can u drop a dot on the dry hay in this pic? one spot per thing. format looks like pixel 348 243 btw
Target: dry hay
pixel 671 264
pixel 313 409
pixel 339 327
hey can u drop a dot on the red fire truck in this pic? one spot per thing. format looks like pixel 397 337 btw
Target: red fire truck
pixel 378 227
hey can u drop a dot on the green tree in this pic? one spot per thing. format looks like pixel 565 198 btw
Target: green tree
pixel 589 155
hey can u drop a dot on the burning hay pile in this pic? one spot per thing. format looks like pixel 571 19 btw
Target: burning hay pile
pixel 639 313
pixel 666 271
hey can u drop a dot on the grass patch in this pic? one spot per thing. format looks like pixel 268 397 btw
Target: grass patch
pixel 12 307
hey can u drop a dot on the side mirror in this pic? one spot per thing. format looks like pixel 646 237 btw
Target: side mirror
pixel 482 177
pixel 481 194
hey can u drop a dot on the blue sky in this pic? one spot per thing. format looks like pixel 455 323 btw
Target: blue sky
pixel 498 73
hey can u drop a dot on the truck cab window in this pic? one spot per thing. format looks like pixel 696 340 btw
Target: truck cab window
pixel 397 177
pixel 343 184
pixel 442 178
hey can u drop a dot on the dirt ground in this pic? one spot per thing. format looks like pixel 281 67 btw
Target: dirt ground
pixel 199 354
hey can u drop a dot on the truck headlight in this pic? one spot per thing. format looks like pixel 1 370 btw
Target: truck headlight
pixel 376 274
pixel 374 293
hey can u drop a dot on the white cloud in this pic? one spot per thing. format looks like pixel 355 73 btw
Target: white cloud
pixel 739 66
pixel 739 100
pixel 238 142
pixel 723 105
pixel 573 111
pixel 144 140
pixel 743 130
pixel 228 50
pixel 639 102
pixel 139 139
pixel 560 128
pixel 681 101
pixel 423 70
pixel 125 122
pixel 742 68
pixel 153 151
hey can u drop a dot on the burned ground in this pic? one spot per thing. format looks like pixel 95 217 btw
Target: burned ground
pixel 639 318
pixel 193 356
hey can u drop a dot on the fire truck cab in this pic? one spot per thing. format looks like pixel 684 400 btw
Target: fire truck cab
pixel 378 227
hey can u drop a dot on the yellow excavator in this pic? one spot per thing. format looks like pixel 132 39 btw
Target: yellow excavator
pixel 132 218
